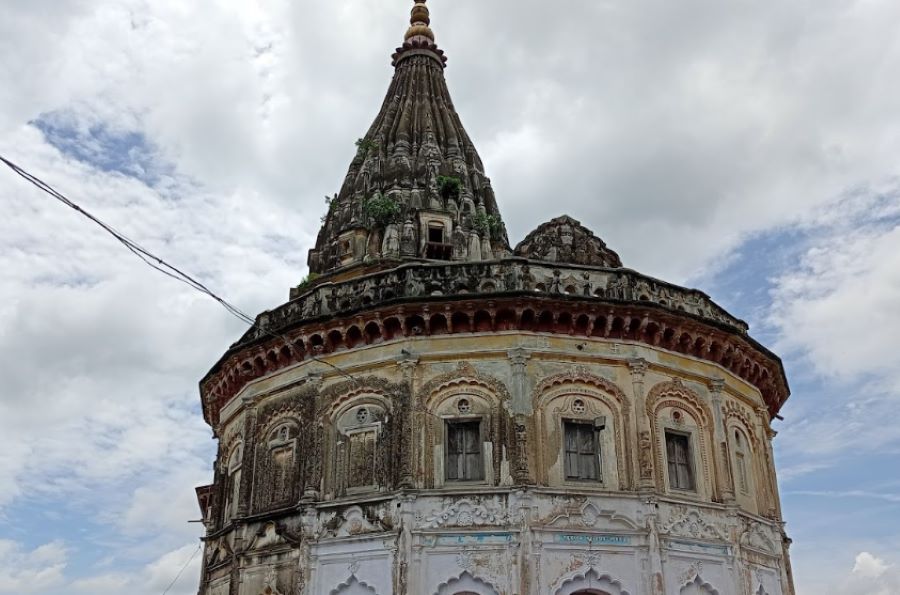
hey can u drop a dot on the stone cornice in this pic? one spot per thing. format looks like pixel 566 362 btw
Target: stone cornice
pixel 513 294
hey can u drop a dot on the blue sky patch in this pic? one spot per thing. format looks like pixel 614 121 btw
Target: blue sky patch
pixel 105 147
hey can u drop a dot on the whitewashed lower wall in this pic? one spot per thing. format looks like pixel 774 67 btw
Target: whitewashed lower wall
pixel 513 543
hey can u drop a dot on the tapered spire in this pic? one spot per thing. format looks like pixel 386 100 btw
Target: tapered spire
pixel 416 189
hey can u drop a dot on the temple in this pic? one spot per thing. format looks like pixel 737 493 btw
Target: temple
pixel 434 412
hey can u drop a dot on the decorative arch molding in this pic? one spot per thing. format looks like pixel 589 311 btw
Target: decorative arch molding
pixel 356 400
pixel 590 581
pixel 273 421
pixel 553 401
pixel 231 449
pixel 735 413
pixel 675 394
pixel 298 402
pixel 664 393
pixel 698 586
pixel 335 396
pixel 466 583
pixel 379 445
pixel 577 376
pixel 465 375
pixel 353 586
pixel 488 395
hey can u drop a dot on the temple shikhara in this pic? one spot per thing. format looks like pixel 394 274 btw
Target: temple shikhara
pixel 436 412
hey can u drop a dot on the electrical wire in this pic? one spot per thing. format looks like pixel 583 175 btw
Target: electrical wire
pixel 158 263
pixel 178 576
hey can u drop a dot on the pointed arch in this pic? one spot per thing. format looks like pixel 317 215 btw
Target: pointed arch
pixel 589 581
pixel 698 586
pixel 466 583
pixel 353 586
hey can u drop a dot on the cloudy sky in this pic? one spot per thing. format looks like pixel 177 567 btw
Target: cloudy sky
pixel 746 148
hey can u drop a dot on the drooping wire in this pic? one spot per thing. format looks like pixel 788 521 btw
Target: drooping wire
pixel 158 263
pixel 183 568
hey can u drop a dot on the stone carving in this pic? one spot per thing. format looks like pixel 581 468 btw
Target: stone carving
pixel 390 246
pixel 645 455
pixel 688 522
pixel 270 582
pixel 588 560
pixel 580 514
pixel 565 240
pixel 691 573
pixel 408 239
pixel 759 537
pixel 465 513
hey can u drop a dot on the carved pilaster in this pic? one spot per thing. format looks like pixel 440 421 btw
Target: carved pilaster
pixel 246 488
pixel 654 552
pixel 521 400
pixel 408 368
pixel 522 470
pixel 642 427
pixel 724 476
pixel 313 458
pixel 767 434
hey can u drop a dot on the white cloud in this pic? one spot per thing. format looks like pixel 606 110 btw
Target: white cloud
pixel 673 131
pixel 874 576
pixel 23 571
pixel 869 566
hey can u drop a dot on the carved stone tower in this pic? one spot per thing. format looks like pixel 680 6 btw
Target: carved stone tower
pixel 432 412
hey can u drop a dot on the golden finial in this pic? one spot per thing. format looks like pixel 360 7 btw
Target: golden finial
pixel 419 20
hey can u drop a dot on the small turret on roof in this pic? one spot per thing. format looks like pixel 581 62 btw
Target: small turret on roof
pixel 566 240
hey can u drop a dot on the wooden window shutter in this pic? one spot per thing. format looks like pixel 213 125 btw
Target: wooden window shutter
pixel 678 454
pixel 582 455
pixel 464 459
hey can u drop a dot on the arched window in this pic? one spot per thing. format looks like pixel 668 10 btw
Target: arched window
pixel 232 483
pixel 357 431
pixel 580 432
pixel 276 465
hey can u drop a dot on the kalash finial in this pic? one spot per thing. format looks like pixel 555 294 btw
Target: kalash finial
pixel 419 21
pixel 419 39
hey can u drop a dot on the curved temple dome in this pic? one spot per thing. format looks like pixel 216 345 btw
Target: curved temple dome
pixel 416 188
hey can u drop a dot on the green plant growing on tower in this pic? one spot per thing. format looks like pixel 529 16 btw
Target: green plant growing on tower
pixel 488 224
pixel 449 187
pixel 331 201
pixel 307 282
pixel 364 145
pixel 382 210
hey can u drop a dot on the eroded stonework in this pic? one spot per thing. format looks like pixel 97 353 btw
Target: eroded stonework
pixel 565 240
pixel 436 415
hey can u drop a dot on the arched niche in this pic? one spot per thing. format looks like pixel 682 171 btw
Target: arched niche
pixel 744 467
pixel 574 400
pixel 232 471
pixel 358 450
pixel 463 425
pixel 466 584
pixel 590 583
pixel 680 415
pixel 277 464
